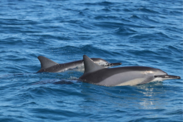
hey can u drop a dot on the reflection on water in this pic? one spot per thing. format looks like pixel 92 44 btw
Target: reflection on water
pixel 139 97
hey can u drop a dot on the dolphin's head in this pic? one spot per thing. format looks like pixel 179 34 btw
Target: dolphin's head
pixel 160 75
pixel 104 63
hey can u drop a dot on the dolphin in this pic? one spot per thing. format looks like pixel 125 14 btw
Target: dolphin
pixel 48 65
pixel 121 76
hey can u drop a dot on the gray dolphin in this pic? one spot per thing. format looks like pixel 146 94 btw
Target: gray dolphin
pixel 48 65
pixel 121 76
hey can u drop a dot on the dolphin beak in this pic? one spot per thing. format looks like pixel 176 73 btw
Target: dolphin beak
pixel 114 64
pixel 167 76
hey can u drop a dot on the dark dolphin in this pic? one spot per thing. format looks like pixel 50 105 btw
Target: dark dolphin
pixel 121 76
pixel 48 65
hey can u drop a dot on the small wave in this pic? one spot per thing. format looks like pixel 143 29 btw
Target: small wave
pixel 110 25
pixel 158 36
pixel 104 3
pixel 148 10
pixel 125 31
pixel 175 112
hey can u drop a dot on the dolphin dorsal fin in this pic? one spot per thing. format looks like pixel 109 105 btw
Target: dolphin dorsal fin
pixel 89 65
pixel 45 62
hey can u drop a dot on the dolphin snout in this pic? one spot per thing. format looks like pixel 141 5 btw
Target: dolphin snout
pixel 173 77
pixel 168 76
pixel 178 77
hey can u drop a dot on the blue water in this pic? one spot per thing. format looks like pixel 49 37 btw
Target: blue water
pixel 134 32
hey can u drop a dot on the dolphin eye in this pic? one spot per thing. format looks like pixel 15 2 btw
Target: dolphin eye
pixel 156 76
pixel 160 76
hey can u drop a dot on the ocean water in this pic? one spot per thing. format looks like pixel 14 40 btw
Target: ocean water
pixel 133 32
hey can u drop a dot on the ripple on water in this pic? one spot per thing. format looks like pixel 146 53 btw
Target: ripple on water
pixel 147 33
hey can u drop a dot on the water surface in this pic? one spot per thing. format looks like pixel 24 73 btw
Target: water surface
pixel 134 32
